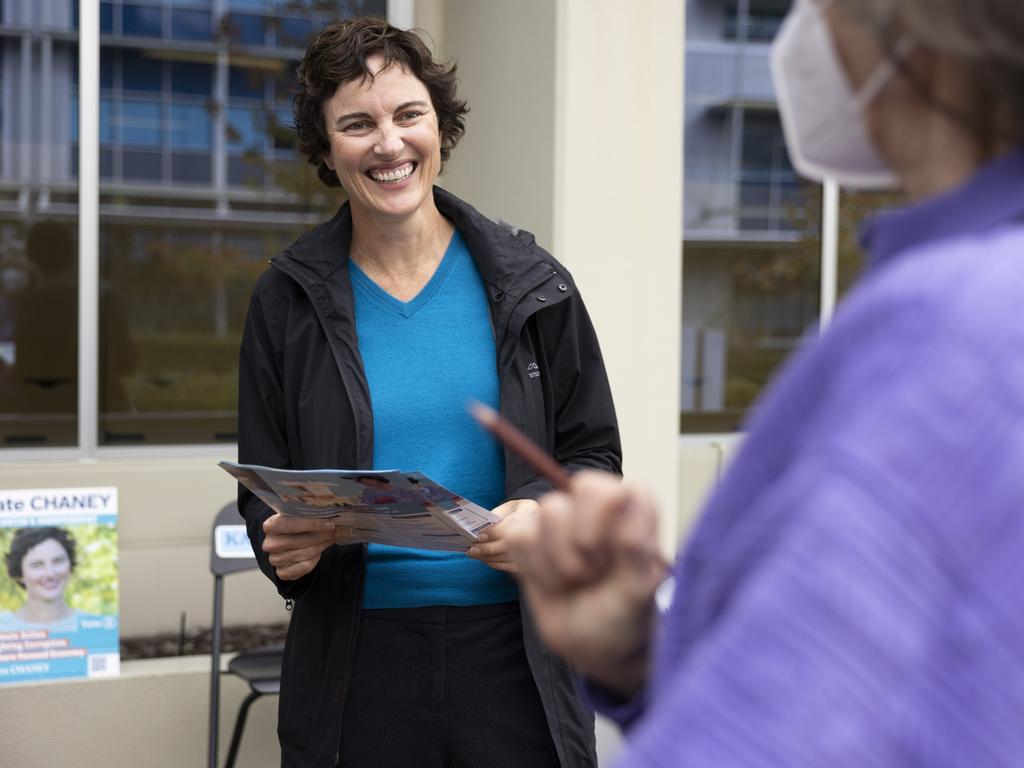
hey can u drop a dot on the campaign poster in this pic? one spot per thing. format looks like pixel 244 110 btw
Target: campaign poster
pixel 58 584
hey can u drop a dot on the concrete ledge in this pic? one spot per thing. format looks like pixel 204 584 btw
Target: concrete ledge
pixel 155 715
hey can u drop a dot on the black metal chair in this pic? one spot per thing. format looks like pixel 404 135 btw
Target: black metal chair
pixel 260 668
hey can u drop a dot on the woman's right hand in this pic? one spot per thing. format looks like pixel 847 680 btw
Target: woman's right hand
pixel 589 564
pixel 295 544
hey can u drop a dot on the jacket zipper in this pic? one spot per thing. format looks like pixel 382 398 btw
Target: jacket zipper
pixel 330 343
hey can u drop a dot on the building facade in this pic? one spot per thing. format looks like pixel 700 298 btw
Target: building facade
pixel 199 183
pixel 751 227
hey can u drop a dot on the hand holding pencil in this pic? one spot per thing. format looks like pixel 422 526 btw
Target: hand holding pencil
pixel 589 564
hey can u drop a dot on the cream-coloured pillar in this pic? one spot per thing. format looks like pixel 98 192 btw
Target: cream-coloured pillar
pixel 575 133
pixel 618 194
pixel 505 53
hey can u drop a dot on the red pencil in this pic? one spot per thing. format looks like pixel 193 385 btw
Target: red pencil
pixel 519 444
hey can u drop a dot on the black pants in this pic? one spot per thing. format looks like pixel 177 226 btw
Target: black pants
pixel 443 687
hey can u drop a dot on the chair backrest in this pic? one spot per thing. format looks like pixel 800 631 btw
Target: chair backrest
pixel 230 550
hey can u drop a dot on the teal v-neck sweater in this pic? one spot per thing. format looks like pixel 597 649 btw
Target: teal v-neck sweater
pixel 424 360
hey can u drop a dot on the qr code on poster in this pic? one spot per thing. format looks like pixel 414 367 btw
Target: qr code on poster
pixel 104 665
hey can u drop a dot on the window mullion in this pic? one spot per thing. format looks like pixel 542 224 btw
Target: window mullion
pixel 829 250
pixel 88 226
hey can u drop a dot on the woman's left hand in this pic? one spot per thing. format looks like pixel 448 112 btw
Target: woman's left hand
pixel 492 548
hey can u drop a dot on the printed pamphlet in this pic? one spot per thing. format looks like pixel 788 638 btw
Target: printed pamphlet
pixel 403 509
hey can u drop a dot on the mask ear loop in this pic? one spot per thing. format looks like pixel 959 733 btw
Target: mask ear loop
pixel 883 73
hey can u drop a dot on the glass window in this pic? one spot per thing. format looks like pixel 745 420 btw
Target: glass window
pixel 191 78
pixel 140 123
pixel 186 291
pixel 285 84
pixel 283 131
pixel 187 24
pixel 142 20
pixel 247 29
pixel 190 126
pixel 191 167
pixel 751 228
pixel 855 207
pixel 74 126
pixel 106 72
pixel 246 129
pixel 142 165
pixel 106 121
pixel 106 18
pixel 762 20
pixel 175 274
pixel 140 72
pixel 246 171
pixel 294 32
pixel 106 163
pixel 39 250
pixel 245 83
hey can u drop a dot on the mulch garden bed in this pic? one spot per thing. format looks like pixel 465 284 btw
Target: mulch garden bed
pixel 197 641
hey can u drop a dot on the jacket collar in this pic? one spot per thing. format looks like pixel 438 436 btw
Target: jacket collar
pixel 991 197
pixel 498 250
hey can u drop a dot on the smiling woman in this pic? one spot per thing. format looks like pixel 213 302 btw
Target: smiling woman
pixel 40 561
pixel 363 344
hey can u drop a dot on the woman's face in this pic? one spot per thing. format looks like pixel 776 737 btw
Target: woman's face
pixel 45 570
pixel 384 142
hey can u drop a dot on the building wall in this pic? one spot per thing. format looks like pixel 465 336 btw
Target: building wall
pixel 575 134
pixel 558 141
pixel 506 66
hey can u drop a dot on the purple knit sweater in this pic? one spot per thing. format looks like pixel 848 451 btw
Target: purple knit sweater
pixel 852 593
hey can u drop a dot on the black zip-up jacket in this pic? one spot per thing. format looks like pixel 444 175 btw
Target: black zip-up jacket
pixel 304 403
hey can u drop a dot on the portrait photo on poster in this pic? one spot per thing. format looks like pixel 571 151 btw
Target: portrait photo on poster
pixel 59 584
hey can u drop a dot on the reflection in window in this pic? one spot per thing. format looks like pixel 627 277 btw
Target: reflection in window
pixel 760 23
pixel 185 292
pixel 188 215
pixel 38 225
pixel 855 207
pixel 190 25
pixel 190 126
pixel 106 122
pixel 247 29
pixel 142 165
pixel 191 167
pixel 769 187
pixel 142 20
pixel 246 128
pixel 246 83
pixel 751 249
pixel 106 18
pixel 745 309
pixel 190 78
pixel 141 72
pixel 140 123
pixel 294 32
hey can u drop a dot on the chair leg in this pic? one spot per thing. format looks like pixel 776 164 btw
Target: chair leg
pixel 236 737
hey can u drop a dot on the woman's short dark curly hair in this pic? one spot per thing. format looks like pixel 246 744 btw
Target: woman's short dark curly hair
pixel 338 55
pixel 26 538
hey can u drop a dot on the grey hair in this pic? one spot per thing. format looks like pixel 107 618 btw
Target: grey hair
pixel 986 35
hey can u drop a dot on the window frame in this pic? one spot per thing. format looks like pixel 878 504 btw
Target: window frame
pixel 401 13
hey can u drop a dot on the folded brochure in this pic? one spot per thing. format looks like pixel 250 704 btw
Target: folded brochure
pixel 403 509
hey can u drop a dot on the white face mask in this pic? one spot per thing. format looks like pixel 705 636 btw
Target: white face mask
pixel 822 117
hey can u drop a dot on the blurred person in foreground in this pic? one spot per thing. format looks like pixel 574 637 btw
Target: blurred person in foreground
pixel 363 343
pixel 850 596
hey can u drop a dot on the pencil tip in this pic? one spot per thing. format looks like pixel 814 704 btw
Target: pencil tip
pixel 482 413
